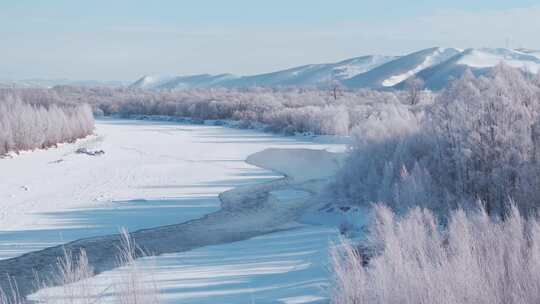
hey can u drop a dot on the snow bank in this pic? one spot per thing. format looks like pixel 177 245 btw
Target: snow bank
pixel 300 165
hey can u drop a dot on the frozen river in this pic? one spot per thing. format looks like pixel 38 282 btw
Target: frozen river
pixel 154 174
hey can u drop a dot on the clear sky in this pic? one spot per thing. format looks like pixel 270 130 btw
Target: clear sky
pixel 122 40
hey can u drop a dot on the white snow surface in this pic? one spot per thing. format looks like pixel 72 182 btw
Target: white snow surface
pixel 158 173
pixel 283 267
pixel 301 165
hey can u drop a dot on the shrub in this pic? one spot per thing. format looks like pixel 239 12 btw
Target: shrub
pixel 133 285
pixel 474 259
pixel 26 125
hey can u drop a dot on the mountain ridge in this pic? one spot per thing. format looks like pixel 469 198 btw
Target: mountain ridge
pixel 434 66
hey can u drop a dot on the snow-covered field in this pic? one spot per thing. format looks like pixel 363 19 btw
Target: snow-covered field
pixel 154 174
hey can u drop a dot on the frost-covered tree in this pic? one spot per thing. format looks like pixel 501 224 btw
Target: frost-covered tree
pixel 479 139
pixel 287 110
pixel 484 139
pixel 413 259
pixel 414 90
pixel 35 119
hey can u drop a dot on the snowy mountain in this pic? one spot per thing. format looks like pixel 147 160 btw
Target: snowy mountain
pixel 313 74
pixel 479 61
pixel 307 75
pixel 399 70
pixel 436 66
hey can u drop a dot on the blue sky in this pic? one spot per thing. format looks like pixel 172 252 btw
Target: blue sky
pixel 119 39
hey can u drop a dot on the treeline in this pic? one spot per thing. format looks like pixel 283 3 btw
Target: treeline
pixel 286 110
pixel 31 119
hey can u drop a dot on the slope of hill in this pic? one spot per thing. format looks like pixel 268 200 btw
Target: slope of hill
pixel 150 82
pixel 479 61
pixel 436 66
pixel 307 75
pixel 399 70
pixel 486 58
pixel 313 74
pixel 195 81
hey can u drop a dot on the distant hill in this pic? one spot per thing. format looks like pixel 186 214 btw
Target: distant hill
pixel 313 74
pixel 308 75
pixel 479 61
pixel 435 66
